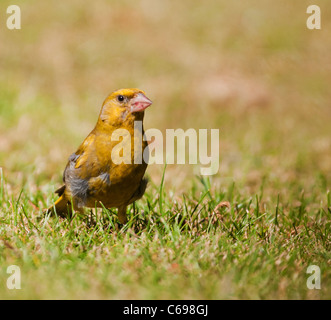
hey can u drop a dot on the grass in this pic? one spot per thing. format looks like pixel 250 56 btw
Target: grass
pixel 252 70
pixel 197 246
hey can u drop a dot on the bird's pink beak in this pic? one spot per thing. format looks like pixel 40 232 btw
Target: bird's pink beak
pixel 139 103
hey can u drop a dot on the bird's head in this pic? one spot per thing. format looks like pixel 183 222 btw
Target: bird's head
pixel 124 105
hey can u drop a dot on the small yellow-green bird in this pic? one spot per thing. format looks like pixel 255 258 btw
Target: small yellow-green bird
pixel 92 177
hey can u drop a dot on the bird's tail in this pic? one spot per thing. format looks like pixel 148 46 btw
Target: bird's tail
pixel 62 207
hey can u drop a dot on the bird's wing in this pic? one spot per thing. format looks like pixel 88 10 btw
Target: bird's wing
pixel 84 173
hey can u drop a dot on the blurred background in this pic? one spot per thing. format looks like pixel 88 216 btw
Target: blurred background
pixel 251 69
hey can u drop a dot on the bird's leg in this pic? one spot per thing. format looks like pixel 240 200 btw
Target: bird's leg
pixel 122 215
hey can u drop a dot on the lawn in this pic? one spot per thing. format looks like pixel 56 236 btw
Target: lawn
pixel 252 70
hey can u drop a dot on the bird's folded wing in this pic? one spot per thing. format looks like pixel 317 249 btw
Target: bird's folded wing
pixel 84 172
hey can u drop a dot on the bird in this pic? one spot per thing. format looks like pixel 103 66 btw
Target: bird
pixel 95 176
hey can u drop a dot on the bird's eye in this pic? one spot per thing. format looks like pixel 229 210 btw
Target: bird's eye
pixel 120 98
